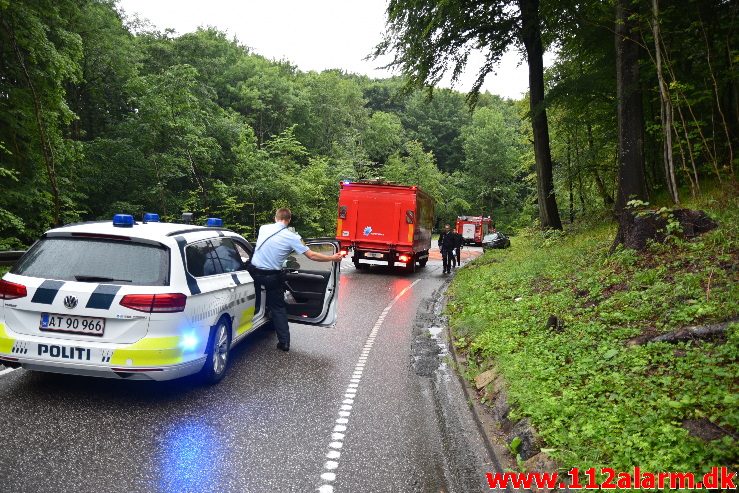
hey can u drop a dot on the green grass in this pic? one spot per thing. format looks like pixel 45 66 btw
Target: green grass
pixel 593 399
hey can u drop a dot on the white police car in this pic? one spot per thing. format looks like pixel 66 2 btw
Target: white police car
pixel 147 300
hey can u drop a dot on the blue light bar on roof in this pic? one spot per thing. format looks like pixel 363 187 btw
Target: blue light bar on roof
pixel 123 220
pixel 151 217
pixel 214 222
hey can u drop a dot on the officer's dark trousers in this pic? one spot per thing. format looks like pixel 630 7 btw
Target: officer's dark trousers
pixel 457 253
pixel 273 283
pixel 447 255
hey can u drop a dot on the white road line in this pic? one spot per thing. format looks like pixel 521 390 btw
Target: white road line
pixel 350 393
pixel 7 370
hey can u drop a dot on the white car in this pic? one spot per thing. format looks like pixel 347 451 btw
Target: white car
pixel 148 300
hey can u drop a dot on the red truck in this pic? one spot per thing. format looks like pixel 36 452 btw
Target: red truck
pixel 385 222
pixel 473 228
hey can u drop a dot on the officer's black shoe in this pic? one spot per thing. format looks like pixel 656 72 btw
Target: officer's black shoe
pixel 283 347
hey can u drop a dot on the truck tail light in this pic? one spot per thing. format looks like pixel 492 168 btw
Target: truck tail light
pixel 155 303
pixel 10 290
pixel 404 258
pixel 344 253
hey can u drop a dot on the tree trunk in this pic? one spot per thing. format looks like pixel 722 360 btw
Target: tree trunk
pixel 531 36
pixel 665 110
pixel 607 200
pixel 631 180
pixel 569 182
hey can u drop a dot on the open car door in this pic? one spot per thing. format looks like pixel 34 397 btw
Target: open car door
pixel 313 287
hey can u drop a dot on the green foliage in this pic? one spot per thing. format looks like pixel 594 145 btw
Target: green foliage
pixel 594 397
pixel 384 136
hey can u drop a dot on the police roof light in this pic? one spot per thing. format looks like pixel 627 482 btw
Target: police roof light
pixel 123 220
pixel 214 222
pixel 150 217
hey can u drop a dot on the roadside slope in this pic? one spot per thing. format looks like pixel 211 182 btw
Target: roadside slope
pixel 564 327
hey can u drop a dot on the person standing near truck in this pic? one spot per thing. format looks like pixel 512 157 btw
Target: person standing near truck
pixel 458 247
pixel 274 243
pixel 447 243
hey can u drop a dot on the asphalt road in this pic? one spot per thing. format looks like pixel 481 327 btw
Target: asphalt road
pixel 347 409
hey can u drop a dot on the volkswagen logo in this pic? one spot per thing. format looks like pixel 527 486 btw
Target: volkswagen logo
pixel 70 302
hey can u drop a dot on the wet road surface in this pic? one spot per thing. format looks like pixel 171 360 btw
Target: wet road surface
pixel 344 410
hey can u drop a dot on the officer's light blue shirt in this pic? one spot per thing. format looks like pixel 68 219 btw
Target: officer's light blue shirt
pixel 272 254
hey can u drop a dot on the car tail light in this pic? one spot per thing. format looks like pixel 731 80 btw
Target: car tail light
pixel 10 290
pixel 155 303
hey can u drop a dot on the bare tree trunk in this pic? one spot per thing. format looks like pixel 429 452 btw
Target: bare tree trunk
pixel 607 199
pixel 569 182
pixel 531 36
pixel 665 109
pixel 685 166
pixel 718 102
pixel 631 180
pixel 689 146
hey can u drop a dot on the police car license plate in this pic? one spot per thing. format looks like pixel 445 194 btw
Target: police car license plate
pixel 373 255
pixel 77 325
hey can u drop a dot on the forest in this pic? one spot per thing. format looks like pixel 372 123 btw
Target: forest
pixel 100 113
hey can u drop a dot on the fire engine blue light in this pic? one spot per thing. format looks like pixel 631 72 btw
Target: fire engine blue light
pixel 346 182
pixel 123 220
pixel 189 342
pixel 214 222
pixel 151 217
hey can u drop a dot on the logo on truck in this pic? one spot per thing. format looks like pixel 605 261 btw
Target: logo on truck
pixel 368 231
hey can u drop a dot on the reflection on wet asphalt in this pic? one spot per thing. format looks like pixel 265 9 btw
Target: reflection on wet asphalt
pixel 265 427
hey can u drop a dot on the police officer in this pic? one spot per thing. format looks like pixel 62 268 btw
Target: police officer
pixel 458 247
pixel 274 243
pixel 447 242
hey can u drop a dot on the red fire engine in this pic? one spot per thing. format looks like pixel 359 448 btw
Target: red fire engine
pixel 385 222
pixel 473 228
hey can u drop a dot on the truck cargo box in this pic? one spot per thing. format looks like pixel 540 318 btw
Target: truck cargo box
pixel 385 222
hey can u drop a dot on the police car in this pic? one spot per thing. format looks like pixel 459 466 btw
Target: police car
pixel 146 300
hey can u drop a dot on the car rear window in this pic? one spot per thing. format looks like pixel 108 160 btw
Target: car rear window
pixel 96 260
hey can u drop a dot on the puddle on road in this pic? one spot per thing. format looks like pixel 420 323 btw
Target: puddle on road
pixel 437 334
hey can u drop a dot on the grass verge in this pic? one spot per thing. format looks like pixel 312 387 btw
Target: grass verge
pixel 594 398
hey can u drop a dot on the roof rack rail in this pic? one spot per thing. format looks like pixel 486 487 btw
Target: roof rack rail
pixel 197 228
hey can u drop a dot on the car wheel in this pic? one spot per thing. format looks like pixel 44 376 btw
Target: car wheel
pixel 219 350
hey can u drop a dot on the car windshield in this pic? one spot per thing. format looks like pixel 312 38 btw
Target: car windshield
pixel 96 260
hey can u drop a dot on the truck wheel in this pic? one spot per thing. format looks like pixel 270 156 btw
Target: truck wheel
pixel 218 352
pixel 423 262
pixel 359 266
pixel 410 267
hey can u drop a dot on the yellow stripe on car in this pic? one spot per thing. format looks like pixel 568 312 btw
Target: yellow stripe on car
pixel 245 322
pixel 6 342
pixel 149 351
